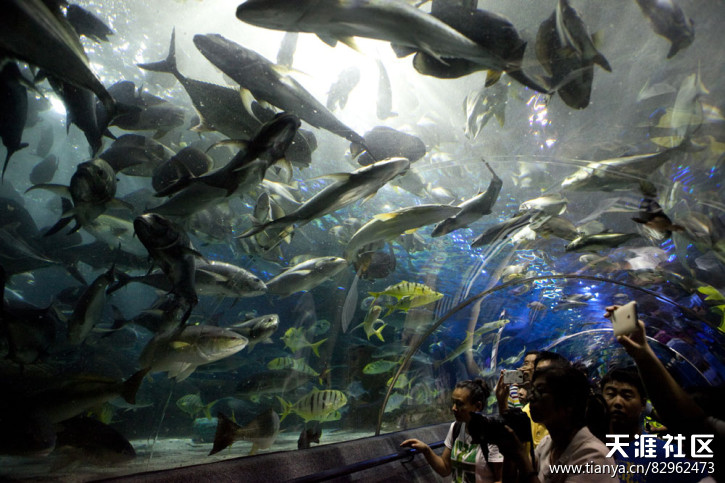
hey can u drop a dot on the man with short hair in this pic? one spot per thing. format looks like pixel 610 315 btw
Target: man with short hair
pixel 624 393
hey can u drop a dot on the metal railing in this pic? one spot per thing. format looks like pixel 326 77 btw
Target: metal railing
pixel 406 454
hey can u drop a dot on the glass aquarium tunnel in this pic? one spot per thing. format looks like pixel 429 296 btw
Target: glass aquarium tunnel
pixel 227 231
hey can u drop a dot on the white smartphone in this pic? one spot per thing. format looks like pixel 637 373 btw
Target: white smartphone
pixel 513 377
pixel 624 319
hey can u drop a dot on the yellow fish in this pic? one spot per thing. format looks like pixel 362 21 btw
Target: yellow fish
pixel 295 339
pixel 409 295
pixel 316 405
pixel 371 319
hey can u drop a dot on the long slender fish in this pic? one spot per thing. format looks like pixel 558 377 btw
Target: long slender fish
pixel 259 76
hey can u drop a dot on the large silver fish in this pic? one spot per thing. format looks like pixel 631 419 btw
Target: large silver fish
pixel 472 209
pixel 222 109
pixel 169 246
pixel 347 188
pixel 387 226
pixel 620 173
pixel 92 189
pixel 392 21
pixel 260 77
pixel 602 241
pixel 180 352
pixel 306 275
pixel 258 329
pixel 502 230
pixel 87 311
pixel 243 172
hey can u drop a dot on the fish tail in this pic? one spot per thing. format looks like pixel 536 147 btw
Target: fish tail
pixel 721 327
pixel 225 432
pixel 256 228
pixel 207 409
pixel 379 330
pixel 7 157
pixel 168 65
pixel 286 408
pixel 122 280
pixel 58 226
pixel 131 385
pixel 316 347
pixel 118 320
pixel 391 309
pixel 602 61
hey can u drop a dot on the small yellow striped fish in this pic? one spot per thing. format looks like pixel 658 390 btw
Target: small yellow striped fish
pixel 315 406
pixel 409 295
pixel 295 339
pixel 379 367
pixel 282 363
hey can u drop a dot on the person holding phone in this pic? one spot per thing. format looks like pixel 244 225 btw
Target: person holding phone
pixel 679 412
pixel 559 399
pixel 465 460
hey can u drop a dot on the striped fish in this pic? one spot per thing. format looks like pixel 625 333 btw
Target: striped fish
pixel 282 363
pixel 315 406
pixel 409 295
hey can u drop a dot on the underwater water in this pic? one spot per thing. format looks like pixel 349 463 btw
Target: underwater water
pixel 474 311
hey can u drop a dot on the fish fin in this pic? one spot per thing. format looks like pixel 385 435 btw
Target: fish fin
pixel 429 50
pixel 225 432
pixel 316 347
pixel 721 327
pixel 379 330
pixel 202 126
pixel 118 320
pixel 492 76
pixel 403 50
pixel 348 307
pixel 167 65
pixel 247 99
pixel 116 203
pixel 286 408
pixel 329 40
pixel 333 176
pixel 179 345
pixel 131 385
pixel 196 253
pixel 384 216
pixel 253 451
pixel 368 197
pixel 356 149
pixel 239 143
pixel 287 166
pixel 10 153
pixel 411 231
pixel 350 42
pixel 60 224
pixel 184 373
pixel 256 228
pixel 59 189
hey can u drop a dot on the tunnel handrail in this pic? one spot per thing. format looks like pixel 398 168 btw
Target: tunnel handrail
pixel 407 453
pixel 485 293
